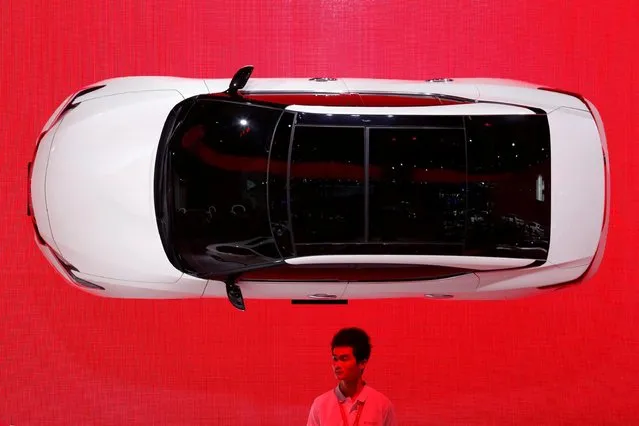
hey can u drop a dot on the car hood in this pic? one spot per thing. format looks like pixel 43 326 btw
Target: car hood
pixel 99 186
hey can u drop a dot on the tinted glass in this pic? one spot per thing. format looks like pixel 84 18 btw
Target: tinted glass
pixel 277 185
pixel 219 160
pixel 244 193
pixel 353 272
pixel 417 186
pixel 509 186
pixel 327 185
pixel 380 120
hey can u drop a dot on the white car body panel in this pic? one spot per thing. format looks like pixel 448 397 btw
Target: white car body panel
pixel 462 284
pixel 56 113
pixel 98 214
pixel 547 274
pixel 470 262
pixel 466 109
pixel 546 100
pixel 37 188
pixel 420 87
pixel 503 82
pixel 280 85
pixel 104 224
pixel 596 262
pixel 257 289
pixel 520 92
pixel 186 287
pixel 187 87
pixel 577 181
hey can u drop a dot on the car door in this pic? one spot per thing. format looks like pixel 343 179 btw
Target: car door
pixel 437 86
pixel 292 290
pixel 323 194
pixel 281 85
pixel 296 283
pixel 285 282
pixel 435 287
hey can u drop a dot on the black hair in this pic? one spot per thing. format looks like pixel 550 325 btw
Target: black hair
pixel 355 338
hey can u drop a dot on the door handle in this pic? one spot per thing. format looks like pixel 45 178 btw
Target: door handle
pixel 322 296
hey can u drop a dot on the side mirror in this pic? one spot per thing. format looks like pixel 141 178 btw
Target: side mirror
pixel 240 79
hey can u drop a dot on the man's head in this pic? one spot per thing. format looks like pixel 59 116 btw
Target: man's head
pixel 351 349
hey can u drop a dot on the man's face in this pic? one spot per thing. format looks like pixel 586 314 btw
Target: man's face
pixel 345 365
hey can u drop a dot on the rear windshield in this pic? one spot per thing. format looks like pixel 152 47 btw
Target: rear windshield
pixel 508 205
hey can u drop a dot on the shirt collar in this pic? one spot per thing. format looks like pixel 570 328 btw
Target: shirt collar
pixel 360 398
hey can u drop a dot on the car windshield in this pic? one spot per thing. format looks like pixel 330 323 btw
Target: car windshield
pixel 217 176
pixel 249 185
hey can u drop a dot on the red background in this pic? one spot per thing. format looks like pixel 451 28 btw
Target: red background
pixel 569 357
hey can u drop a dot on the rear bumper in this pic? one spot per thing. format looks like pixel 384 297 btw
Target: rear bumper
pixel 597 259
pixel 599 254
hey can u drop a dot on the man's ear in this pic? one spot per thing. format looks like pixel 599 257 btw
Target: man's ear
pixel 362 365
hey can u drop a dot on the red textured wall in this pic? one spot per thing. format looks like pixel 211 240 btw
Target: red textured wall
pixel 68 358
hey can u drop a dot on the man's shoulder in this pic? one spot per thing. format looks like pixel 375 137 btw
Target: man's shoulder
pixel 326 396
pixel 378 396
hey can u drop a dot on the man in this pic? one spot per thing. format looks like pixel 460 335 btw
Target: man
pixel 352 402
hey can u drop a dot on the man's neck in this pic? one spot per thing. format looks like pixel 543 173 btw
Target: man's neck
pixel 351 388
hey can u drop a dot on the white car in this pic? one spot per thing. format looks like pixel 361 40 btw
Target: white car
pixel 321 190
